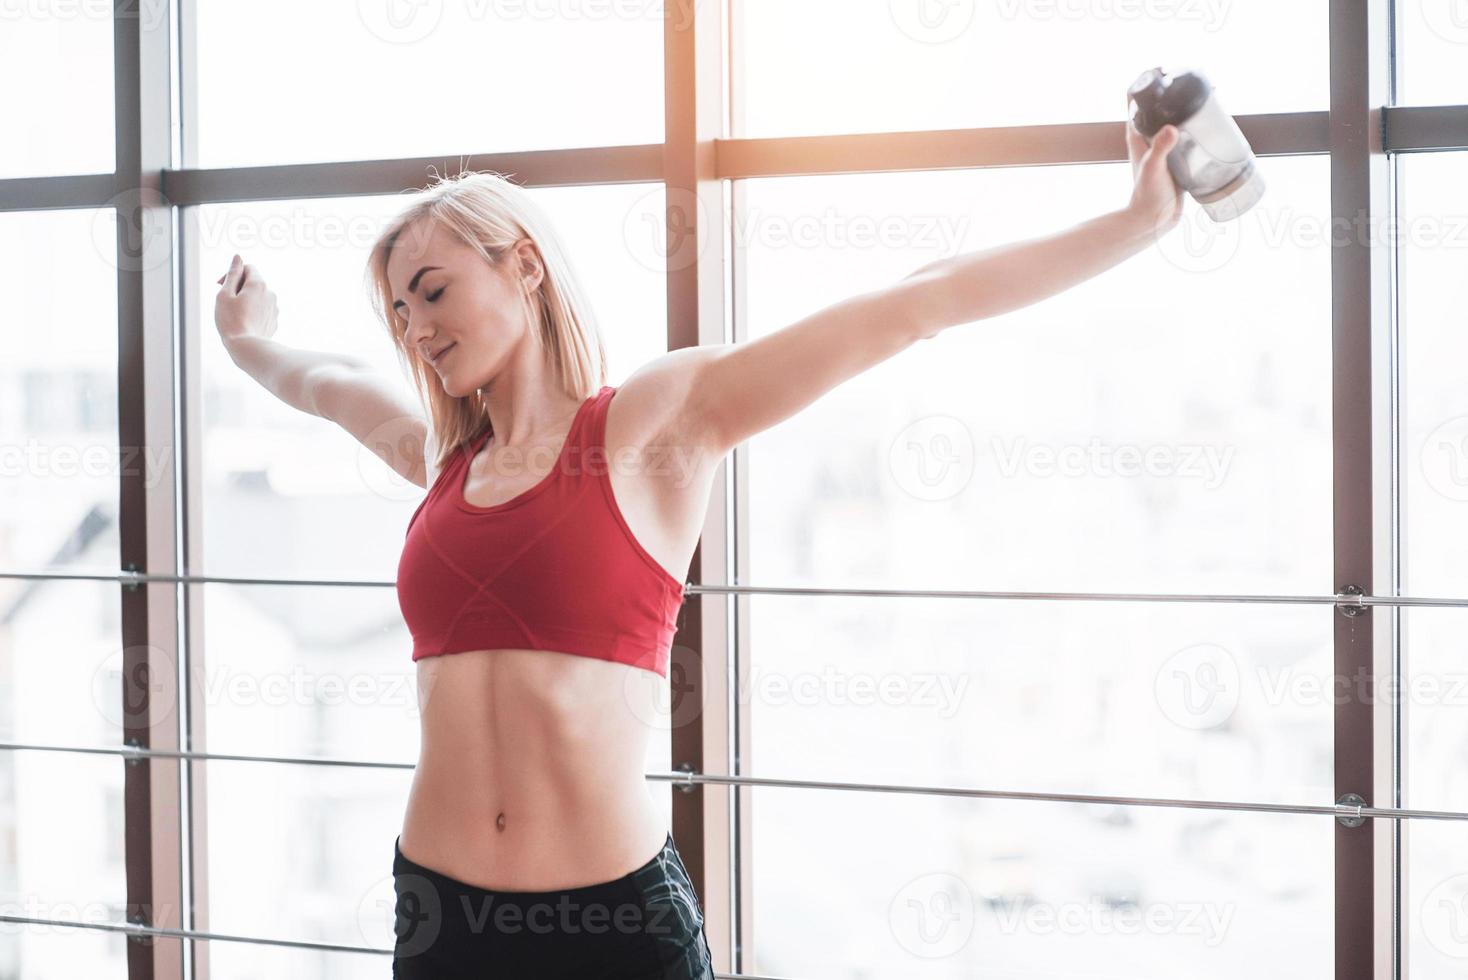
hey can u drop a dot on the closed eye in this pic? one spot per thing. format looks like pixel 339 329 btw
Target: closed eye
pixel 437 294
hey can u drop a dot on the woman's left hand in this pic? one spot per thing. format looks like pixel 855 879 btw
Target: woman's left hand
pixel 1157 201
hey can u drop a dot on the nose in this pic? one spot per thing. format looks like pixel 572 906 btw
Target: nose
pixel 418 335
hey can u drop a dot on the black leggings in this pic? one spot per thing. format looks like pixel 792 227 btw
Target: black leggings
pixel 645 925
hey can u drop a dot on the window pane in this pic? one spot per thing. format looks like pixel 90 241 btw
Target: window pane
pixel 56 953
pixel 1434 694
pixel 949 889
pixel 1436 940
pixel 1432 48
pixel 61 663
pixel 59 460
pixel 67 869
pixel 1174 700
pixel 288 494
pixel 374 80
pixel 60 56
pixel 308 671
pixel 302 853
pixel 1433 237
pixel 808 68
pixel 1164 427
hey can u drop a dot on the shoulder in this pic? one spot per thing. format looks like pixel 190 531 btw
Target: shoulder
pixel 657 402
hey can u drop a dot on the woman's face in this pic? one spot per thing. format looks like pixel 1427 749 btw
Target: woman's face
pixel 458 307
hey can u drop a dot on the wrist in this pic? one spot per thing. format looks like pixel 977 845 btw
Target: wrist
pixel 1135 226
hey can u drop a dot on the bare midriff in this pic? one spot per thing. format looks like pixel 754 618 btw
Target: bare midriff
pixel 531 770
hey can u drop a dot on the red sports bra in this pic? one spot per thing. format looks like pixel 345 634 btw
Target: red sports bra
pixel 556 568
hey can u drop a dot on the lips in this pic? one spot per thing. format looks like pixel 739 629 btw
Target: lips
pixel 440 355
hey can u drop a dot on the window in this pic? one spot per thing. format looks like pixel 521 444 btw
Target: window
pixel 1125 753
pixel 835 66
pixel 63 125
pixel 384 80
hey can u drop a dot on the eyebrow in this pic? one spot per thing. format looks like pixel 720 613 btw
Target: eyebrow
pixel 413 284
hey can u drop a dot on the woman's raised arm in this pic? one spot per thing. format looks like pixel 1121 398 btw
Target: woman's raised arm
pixel 337 387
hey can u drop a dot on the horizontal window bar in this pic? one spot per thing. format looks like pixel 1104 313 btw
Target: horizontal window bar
pixel 637 163
pixel 1275 134
pixel 685 780
pixel 139 930
pixel 1345 600
pixel 1406 129
pixel 49 193
pixel 1412 129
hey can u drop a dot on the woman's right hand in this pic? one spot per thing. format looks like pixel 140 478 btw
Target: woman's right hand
pixel 244 306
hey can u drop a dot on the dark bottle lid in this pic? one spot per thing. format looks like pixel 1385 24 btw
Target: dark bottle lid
pixel 1164 98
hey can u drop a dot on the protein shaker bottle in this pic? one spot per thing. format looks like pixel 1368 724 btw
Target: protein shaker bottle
pixel 1211 161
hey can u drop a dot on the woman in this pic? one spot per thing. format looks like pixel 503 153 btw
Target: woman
pixel 544 568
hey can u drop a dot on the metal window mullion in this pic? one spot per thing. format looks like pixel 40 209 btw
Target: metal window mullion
pixel 1361 477
pixel 693 93
pixel 146 505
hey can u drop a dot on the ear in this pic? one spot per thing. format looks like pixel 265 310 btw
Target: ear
pixel 530 266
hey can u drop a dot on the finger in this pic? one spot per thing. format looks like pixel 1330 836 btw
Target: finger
pixel 1136 145
pixel 245 274
pixel 231 273
pixel 1162 144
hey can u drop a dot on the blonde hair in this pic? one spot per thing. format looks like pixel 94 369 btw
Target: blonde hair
pixel 490 215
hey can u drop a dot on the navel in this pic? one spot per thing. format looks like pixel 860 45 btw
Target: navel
pixel 500 821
